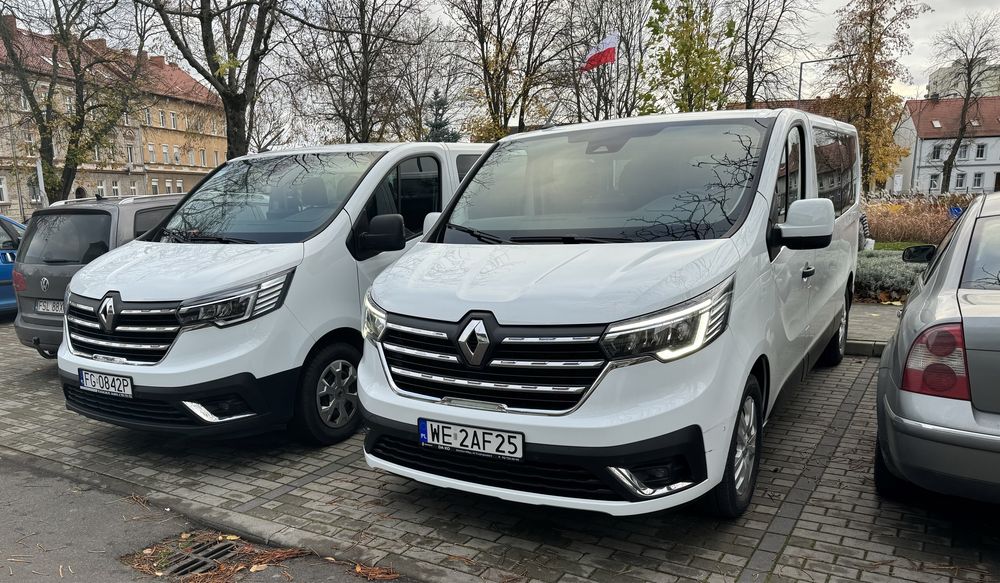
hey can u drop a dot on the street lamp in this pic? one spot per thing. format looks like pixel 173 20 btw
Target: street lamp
pixel 798 99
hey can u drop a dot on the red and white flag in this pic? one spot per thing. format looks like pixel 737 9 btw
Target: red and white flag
pixel 603 53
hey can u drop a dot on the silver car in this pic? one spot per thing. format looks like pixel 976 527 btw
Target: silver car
pixel 939 379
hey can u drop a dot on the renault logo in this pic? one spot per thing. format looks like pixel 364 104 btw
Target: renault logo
pixel 106 314
pixel 44 283
pixel 474 341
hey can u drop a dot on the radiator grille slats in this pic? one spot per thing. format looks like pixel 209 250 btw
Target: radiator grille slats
pixel 141 334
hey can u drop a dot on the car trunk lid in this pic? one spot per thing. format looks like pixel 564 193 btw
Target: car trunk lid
pixel 981 325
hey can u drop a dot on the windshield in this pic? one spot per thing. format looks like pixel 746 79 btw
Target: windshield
pixel 274 199
pixel 66 238
pixel 649 182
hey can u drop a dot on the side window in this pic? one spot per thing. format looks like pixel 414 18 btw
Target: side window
pixel 6 241
pixel 465 162
pixel 411 189
pixel 982 266
pixel 942 247
pixel 835 167
pixel 147 219
pixel 788 187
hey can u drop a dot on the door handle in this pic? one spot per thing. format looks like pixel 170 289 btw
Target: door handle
pixel 808 271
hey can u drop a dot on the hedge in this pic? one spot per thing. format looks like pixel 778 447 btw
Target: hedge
pixel 883 276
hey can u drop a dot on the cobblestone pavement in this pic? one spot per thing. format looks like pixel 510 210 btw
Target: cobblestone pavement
pixel 815 516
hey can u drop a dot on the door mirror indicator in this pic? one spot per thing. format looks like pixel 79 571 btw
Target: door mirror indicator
pixel 385 233
pixel 919 253
pixel 808 224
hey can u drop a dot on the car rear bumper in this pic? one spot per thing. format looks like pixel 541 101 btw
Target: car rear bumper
pixel 942 459
pixel 37 335
pixel 231 406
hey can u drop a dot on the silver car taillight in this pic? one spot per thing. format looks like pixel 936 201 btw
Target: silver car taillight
pixel 936 364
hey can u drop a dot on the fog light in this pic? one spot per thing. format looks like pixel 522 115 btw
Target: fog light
pixel 220 409
pixel 655 479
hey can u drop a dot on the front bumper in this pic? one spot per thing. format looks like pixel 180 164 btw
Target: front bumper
pixel 231 406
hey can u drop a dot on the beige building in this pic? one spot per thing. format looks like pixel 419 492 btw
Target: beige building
pixel 944 82
pixel 165 146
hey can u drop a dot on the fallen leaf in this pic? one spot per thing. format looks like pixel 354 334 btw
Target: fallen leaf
pixel 232 537
pixel 257 568
pixel 185 535
pixel 147 551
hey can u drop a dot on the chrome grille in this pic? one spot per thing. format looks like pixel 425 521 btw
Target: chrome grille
pixel 528 369
pixel 142 333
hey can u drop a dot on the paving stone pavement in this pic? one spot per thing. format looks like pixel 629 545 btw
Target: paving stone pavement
pixel 873 322
pixel 815 516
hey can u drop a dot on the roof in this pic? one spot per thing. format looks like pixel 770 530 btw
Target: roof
pixel 647 119
pixel 370 147
pixel 113 201
pixel 163 79
pixel 939 118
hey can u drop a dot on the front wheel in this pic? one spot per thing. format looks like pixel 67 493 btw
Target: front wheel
pixel 731 497
pixel 327 409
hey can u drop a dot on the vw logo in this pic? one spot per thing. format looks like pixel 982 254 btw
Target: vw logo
pixel 44 283
pixel 106 314
pixel 474 341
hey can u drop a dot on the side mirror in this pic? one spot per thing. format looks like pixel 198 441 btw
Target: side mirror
pixel 10 245
pixel 429 220
pixel 385 233
pixel 808 224
pixel 919 253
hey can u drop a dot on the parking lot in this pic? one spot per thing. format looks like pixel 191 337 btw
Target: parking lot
pixel 815 516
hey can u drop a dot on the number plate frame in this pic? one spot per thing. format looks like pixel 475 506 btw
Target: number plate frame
pixel 46 303
pixel 465 438
pixel 123 390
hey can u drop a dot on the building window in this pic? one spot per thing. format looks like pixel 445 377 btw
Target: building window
pixel 24 102
pixel 100 189
pixel 129 154
pixel 173 120
pixel 180 185
pixel 980 151
pixel 960 180
pixel 977 180
pixel 963 152
pixel 190 157
pixel 149 117
pixel 126 119
pixel 3 188
pixel 936 153
pixel 204 161
pixel 152 152
pixel 115 191
pixel 97 153
pixel 216 157
pixel 154 184
pixel 935 182
pixel 169 185
pixel 68 104
pixel 936 123
pixel 163 119
pixel 215 126
pixel 177 154
pixel 132 188
pixel 29 138
pixel 166 153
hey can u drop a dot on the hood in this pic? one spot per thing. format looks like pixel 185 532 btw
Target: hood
pixel 155 272
pixel 551 284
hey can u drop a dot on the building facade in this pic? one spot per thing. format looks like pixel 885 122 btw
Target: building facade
pixel 166 145
pixel 928 131
pixel 946 82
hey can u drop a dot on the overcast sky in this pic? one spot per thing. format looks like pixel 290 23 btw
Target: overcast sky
pixel 922 33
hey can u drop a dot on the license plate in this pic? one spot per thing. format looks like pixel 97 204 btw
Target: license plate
pixel 485 442
pixel 105 384
pixel 49 306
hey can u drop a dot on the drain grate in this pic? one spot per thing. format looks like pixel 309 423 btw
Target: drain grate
pixel 199 558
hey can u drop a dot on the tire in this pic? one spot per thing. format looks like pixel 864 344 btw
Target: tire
pixel 732 496
pixel 834 352
pixel 887 484
pixel 327 409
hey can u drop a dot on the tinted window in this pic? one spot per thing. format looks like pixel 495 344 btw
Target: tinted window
pixel 272 199
pixel 66 238
pixel 943 246
pixel 982 266
pixel 835 155
pixel 149 218
pixel 412 189
pixel 6 241
pixel 465 162
pixel 635 182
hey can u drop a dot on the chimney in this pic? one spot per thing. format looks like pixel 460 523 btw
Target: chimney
pixel 10 22
pixel 158 60
pixel 935 97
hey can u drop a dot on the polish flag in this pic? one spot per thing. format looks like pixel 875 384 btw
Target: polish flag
pixel 603 53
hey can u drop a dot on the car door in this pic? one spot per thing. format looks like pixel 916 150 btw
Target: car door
pixel 412 188
pixel 790 267
pixel 9 239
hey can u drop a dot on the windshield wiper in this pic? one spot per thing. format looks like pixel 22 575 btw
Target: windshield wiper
pixel 210 238
pixel 177 235
pixel 568 239
pixel 480 235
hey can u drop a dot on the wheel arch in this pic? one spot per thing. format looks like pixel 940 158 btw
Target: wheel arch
pixel 345 335
pixel 761 370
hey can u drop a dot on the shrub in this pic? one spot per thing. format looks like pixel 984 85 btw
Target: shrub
pixel 883 276
pixel 924 219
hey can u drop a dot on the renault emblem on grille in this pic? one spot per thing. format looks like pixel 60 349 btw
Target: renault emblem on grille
pixel 106 314
pixel 474 341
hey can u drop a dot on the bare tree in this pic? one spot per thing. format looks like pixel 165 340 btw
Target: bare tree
pixel 971 49
pixel 76 79
pixel 269 119
pixel 769 36
pixel 429 67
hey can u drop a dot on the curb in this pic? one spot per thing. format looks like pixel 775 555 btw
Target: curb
pixel 871 348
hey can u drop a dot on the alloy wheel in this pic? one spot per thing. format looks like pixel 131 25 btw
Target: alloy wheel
pixel 746 446
pixel 337 393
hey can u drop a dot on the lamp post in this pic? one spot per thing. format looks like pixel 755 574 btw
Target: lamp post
pixel 798 98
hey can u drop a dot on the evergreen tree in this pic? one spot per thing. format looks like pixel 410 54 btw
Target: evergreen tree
pixel 439 126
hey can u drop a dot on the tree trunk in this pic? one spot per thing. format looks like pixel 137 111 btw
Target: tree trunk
pixel 949 163
pixel 238 143
pixel 55 188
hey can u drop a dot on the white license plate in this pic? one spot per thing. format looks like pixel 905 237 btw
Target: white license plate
pixel 487 442
pixel 105 384
pixel 49 306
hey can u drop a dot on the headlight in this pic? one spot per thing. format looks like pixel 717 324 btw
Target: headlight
pixel 373 319
pixel 237 305
pixel 674 332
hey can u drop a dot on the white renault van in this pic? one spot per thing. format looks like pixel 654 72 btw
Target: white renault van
pixel 241 311
pixel 605 315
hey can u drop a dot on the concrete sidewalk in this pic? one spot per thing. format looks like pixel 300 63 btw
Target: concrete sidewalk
pixel 871 326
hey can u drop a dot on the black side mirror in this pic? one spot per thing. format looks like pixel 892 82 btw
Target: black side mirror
pixel 919 253
pixel 385 233
pixel 10 245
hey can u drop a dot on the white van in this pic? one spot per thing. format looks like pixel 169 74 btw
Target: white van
pixel 241 311
pixel 605 315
